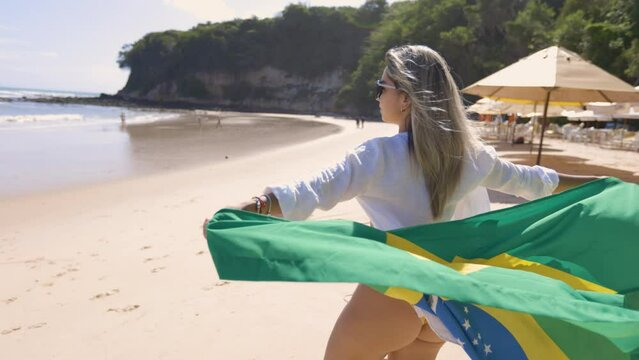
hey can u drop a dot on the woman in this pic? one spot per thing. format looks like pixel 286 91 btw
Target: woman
pixel 434 169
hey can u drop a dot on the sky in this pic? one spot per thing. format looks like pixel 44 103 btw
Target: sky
pixel 73 45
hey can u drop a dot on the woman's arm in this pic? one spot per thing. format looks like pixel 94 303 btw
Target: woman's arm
pixel 267 200
pixel 567 181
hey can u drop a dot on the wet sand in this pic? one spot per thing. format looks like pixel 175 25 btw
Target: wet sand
pixel 63 157
pixel 119 269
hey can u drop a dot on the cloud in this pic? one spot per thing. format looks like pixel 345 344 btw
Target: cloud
pixel 12 41
pixel 107 78
pixel 210 10
pixel 48 54
pixel 26 55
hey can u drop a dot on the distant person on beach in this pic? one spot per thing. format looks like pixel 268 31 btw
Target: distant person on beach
pixel 417 93
pixel 122 118
pixel 357 122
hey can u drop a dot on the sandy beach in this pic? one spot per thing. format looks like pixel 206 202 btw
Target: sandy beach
pixel 119 269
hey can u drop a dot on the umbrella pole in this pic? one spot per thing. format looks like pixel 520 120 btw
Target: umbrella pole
pixel 543 128
pixel 532 135
pixel 623 131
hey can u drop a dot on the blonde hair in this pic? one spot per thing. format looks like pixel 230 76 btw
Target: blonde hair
pixel 438 131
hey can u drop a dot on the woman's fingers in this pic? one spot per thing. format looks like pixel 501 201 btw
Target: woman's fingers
pixel 206 221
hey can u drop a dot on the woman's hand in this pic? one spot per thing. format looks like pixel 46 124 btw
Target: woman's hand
pixel 246 206
pixel 206 221
pixel 567 181
pixel 252 207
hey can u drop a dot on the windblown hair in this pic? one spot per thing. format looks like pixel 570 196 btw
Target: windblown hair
pixel 439 134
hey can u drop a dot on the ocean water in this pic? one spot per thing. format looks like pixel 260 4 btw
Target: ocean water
pixel 47 146
pixel 16 113
pixel 10 93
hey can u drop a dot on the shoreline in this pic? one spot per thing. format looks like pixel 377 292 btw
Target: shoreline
pixel 179 104
pixel 133 150
pixel 88 269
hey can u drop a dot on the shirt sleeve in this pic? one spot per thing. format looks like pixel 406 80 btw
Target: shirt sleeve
pixel 529 182
pixel 340 182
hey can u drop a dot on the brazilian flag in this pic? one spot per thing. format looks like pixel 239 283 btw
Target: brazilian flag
pixel 555 278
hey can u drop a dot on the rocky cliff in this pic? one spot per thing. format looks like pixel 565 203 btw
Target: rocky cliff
pixel 266 88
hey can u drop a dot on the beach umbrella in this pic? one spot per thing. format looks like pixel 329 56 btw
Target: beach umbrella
pixel 587 115
pixel 550 75
pixel 522 108
pixel 633 114
pixel 486 106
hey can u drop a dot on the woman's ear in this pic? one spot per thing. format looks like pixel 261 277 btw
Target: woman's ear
pixel 405 101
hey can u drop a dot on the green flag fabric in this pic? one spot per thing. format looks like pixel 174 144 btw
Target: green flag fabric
pixel 555 278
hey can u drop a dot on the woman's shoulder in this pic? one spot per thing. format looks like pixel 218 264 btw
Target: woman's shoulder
pixel 397 142
pixel 380 151
pixel 480 157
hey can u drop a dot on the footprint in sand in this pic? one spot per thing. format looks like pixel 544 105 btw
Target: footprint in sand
pixel 146 247
pixel 35 261
pixel 154 270
pixel 9 331
pixel 10 300
pixel 200 252
pixel 217 284
pixel 105 294
pixel 124 309
pixel 37 326
pixel 156 258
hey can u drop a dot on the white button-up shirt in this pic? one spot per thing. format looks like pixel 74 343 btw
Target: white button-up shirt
pixel 393 192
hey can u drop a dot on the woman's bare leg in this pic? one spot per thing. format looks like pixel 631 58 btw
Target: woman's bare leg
pixel 371 326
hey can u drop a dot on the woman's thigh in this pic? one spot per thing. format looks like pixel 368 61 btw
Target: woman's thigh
pixel 371 326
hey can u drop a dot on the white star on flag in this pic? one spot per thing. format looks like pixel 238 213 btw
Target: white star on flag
pixel 466 324
pixel 487 349
pixel 475 342
pixel 479 336
pixel 466 309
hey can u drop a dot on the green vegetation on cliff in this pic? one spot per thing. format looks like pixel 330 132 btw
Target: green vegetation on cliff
pixel 303 41
pixel 477 37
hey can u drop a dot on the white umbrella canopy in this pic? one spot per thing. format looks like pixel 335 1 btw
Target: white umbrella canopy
pixel 488 106
pixel 553 110
pixel 615 110
pixel 633 113
pixel 560 72
pixel 587 115
pixel 553 74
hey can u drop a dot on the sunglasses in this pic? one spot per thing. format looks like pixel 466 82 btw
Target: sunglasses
pixel 380 88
